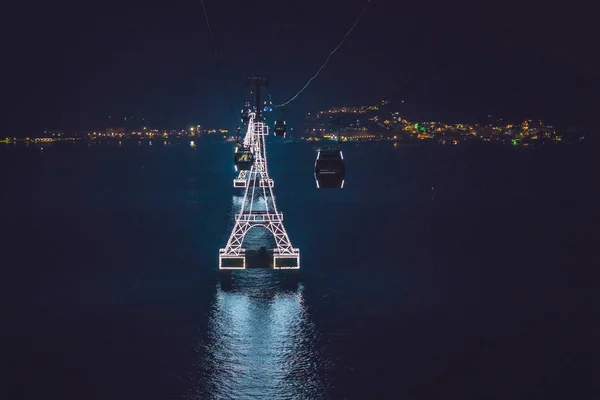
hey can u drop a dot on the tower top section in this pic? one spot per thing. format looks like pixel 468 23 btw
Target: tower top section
pixel 257 82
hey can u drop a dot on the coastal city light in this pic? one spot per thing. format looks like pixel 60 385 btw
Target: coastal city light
pixel 349 124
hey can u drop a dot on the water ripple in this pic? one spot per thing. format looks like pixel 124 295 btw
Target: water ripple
pixel 260 343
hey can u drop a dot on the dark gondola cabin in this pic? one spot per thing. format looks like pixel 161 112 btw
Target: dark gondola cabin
pixel 245 116
pixel 280 128
pixel 330 169
pixel 243 158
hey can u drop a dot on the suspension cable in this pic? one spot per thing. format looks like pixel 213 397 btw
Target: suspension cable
pixel 495 36
pixel 328 57
pixel 219 65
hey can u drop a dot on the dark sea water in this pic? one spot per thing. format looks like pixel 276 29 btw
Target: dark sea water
pixel 478 289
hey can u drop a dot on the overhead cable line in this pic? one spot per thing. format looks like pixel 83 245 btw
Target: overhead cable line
pixel 219 65
pixel 328 57
pixel 495 36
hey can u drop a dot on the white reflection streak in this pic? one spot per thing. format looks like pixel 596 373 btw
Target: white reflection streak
pixel 230 323
pixel 257 348
pixel 285 331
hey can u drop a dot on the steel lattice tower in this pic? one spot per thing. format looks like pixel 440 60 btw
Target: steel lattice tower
pixel 258 206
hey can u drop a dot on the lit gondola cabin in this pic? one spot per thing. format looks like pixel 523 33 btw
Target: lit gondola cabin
pixel 330 169
pixel 280 128
pixel 243 158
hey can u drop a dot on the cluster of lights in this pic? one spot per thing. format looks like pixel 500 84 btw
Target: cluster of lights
pixel 522 133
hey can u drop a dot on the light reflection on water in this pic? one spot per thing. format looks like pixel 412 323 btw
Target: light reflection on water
pixel 261 342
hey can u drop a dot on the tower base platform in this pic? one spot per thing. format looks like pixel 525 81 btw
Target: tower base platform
pixel 261 258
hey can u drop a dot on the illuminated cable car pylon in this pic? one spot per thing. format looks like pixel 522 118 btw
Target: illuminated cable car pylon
pixel 258 207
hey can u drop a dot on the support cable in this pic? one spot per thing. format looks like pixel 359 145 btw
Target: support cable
pixel 486 42
pixel 328 57
pixel 219 65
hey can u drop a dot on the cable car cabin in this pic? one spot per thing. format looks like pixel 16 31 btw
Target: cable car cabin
pixel 280 128
pixel 330 169
pixel 245 116
pixel 243 158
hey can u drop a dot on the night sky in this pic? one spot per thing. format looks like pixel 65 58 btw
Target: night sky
pixel 69 65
